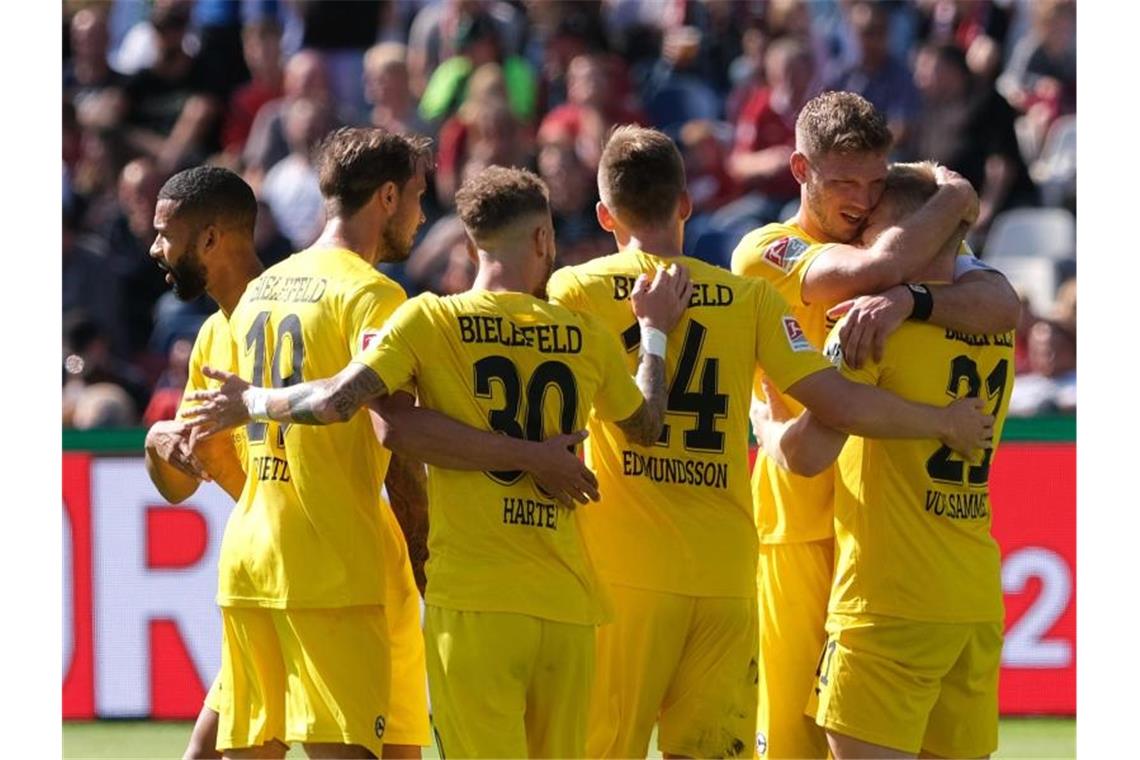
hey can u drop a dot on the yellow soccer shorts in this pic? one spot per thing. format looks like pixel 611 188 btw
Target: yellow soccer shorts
pixel 911 685
pixel 508 685
pixel 687 663
pixel 793 586
pixel 408 721
pixel 314 676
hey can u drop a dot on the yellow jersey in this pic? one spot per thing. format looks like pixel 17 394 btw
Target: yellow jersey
pixel 677 516
pixel 912 519
pixel 789 508
pixel 213 347
pixel 307 531
pixel 517 365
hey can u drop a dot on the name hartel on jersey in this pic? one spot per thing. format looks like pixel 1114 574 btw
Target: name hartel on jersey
pixel 955 505
pixel 704 293
pixel 548 339
pixel 537 514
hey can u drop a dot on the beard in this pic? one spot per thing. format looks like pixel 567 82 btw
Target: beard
pixel 188 274
pixel 834 231
pixel 540 289
pixel 392 248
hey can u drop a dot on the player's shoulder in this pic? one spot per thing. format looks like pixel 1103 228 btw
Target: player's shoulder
pixel 775 247
pixel 587 275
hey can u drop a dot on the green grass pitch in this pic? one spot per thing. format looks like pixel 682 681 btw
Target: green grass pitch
pixel 1020 737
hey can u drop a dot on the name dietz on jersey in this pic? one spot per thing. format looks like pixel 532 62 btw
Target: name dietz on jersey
pixel 288 289
pixel 271 468
pixel 548 339
pixel 704 294
pixel 957 506
pixel 688 472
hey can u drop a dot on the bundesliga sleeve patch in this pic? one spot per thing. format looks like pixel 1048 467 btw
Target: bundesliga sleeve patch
pixel 368 338
pixel 785 252
pixel 795 335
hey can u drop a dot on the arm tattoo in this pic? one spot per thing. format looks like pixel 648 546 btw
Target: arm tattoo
pixel 644 426
pixel 336 399
pixel 407 490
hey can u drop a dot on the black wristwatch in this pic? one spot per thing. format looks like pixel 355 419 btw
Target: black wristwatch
pixel 923 301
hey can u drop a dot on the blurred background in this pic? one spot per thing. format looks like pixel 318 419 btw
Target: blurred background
pixel 987 87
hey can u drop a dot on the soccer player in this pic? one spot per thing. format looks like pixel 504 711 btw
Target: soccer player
pixel 204 220
pixel 512 597
pixel 841 164
pixel 914 624
pixel 673 533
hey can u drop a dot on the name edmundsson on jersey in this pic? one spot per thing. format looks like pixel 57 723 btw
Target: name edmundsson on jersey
pixel 548 339
pixel 689 472
pixel 288 289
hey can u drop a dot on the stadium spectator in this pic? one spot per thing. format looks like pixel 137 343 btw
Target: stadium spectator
pixel 706 157
pixel 101 158
pixel 89 361
pixel 291 188
pixel 484 130
pixel 102 405
pixel 765 134
pixel 1051 384
pixel 966 125
pixel 573 195
pixel 478 42
pixel 560 33
pixel 172 106
pixel 746 73
pixel 1040 79
pixel 877 75
pixel 430 261
pixel 386 90
pixel 271 245
pixel 89 83
pixel 340 31
pixel 434 34
pixel 90 287
pixel 962 22
pixel 592 109
pixel 305 77
pixel 261 47
pixel 167 395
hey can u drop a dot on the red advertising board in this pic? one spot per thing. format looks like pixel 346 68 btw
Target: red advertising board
pixel 142 633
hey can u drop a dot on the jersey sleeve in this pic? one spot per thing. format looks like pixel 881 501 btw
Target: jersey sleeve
pixel 195 380
pixel 777 255
pixel 367 310
pixel 565 289
pixel 395 353
pixel 618 396
pixel 966 261
pixel 782 349
pixel 868 374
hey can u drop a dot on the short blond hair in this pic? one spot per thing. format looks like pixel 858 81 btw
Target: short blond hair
pixel 841 122
pixel 909 186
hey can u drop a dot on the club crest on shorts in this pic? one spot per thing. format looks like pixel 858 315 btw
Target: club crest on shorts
pixel 379 726
pixel 761 743
pixel 785 252
pixel 795 335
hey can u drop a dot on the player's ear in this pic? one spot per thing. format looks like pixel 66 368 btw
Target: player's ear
pixel 472 250
pixel 209 237
pixel 799 166
pixel 605 218
pixel 685 206
pixel 389 195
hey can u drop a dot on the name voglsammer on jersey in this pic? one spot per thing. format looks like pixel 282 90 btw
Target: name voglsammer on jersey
pixel 308 530
pixel 517 365
pixel 686 499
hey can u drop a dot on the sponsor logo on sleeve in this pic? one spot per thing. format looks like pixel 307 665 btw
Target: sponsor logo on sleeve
pixel 785 252
pixel 795 334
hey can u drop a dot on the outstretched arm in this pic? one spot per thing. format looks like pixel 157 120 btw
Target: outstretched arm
pixel 318 402
pixel 875 413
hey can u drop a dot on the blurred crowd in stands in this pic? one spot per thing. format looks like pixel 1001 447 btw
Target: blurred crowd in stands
pixel 149 88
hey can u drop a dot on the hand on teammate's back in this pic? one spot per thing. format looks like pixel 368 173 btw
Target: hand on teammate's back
pixel 870 321
pixel 969 429
pixel 219 409
pixel 660 303
pixel 559 472
pixel 945 176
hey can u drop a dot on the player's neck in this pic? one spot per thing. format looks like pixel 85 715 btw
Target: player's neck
pixel 664 244
pixel 231 279
pixel 496 277
pixel 805 222
pixel 352 235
